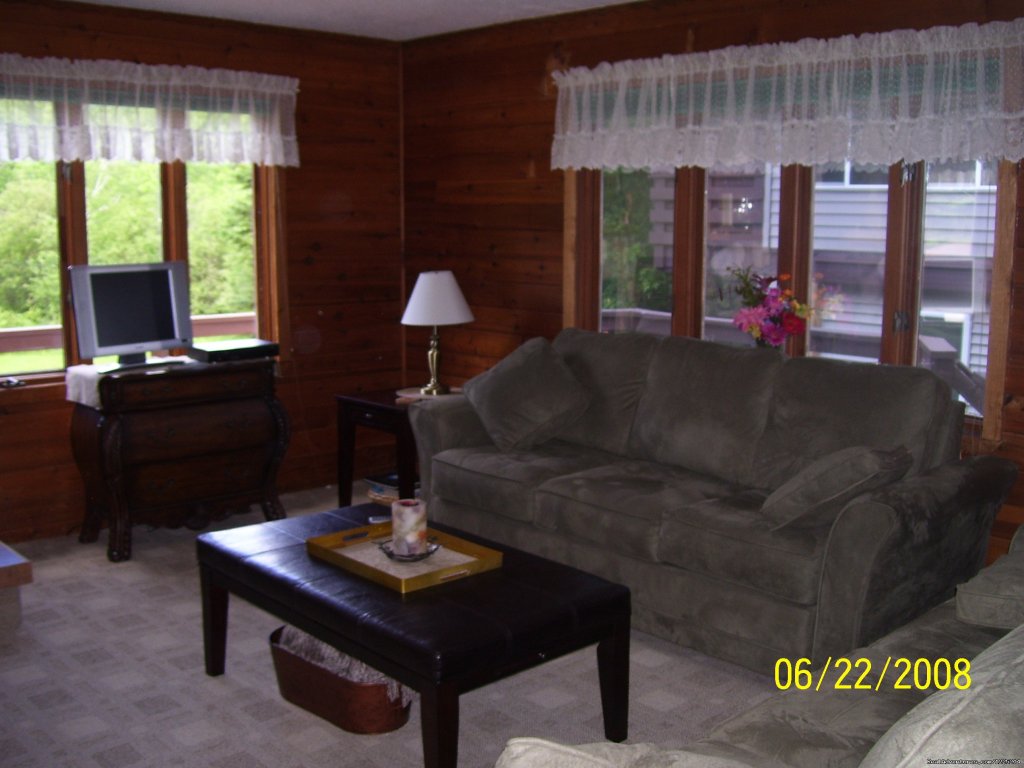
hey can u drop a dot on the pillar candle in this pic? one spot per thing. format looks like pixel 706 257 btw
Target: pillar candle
pixel 408 527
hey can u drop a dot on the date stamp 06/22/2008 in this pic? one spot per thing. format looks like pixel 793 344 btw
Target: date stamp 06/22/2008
pixel 901 674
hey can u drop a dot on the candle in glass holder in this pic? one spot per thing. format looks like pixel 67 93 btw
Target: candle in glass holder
pixel 408 527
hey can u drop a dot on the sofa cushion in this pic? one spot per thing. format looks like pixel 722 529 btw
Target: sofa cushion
pixel 728 538
pixel 502 482
pixel 613 368
pixel 620 505
pixel 980 721
pixel 821 406
pixel 816 493
pixel 995 597
pixel 705 406
pixel 527 397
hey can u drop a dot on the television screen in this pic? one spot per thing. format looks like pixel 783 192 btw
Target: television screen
pixel 142 297
pixel 130 309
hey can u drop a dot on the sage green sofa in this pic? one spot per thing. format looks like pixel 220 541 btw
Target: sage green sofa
pixel 758 507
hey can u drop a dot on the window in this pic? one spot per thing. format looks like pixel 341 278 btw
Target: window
pixel 741 226
pixel 956 281
pixel 123 224
pixel 847 268
pixel 221 247
pixel 636 251
pixel 30 306
pixel 114 139
pixel 122 212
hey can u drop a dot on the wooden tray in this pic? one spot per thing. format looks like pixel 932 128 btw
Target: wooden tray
pixel 356 550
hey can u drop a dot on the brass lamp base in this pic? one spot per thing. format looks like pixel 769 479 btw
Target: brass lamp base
pixel 434 387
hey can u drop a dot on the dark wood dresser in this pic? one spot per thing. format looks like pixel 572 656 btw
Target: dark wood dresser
pixel 178 445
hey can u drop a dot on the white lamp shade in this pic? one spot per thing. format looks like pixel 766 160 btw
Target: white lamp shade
pixel 436 300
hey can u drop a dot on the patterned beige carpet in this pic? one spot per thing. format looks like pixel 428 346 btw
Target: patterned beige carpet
pixel 106 671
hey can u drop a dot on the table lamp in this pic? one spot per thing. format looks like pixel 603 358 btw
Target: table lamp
pixel 436 300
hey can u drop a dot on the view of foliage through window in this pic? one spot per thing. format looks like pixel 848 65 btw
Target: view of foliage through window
pixel 221 239
pixel 29 257
pixel 629 276
pixel 122 209
pixel 123 215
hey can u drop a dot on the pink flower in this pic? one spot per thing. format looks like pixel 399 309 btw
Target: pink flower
pixel 773 334
pixel 773 302
pixel 749 319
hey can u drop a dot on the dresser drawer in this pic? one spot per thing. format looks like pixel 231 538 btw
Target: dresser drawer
pixel 195 430
pixel 192 479
pixel 184 384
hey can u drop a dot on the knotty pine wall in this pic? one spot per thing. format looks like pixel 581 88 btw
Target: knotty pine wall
pixel 472 114
pixel 480 197
pixel 342 230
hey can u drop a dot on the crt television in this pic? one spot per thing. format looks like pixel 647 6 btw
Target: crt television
pixel 130 309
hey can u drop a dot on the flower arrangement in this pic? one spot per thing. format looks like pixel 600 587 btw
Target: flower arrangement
pixel 770 313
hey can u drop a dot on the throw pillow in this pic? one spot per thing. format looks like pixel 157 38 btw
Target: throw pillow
pixel 528 397
pixel 995 597
pixel 815 495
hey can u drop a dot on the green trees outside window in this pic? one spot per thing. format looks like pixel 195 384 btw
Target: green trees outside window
pixel 221 239
pixel 636 246
pixel 29 263
pixel 123 225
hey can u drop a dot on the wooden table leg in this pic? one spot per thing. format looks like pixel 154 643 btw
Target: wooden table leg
pixel 215 621
pixel 119 541
pixel 439 717
pixel 613 672
pixel 346 454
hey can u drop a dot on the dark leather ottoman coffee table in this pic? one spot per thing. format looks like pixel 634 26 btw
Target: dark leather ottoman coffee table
pixel 440 641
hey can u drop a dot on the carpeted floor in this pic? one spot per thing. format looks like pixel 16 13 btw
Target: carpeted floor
pixel 106 671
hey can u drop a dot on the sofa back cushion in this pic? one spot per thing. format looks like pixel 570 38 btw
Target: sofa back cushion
pixel 821 406
pixel 527 397
pixel 705 406
pixel 613 369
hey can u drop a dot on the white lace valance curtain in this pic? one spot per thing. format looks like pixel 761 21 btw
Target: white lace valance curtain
pixel 59 109
pixel 941 94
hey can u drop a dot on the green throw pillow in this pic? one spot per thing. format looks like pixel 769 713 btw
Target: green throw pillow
pixel 815 495
pixel 528 397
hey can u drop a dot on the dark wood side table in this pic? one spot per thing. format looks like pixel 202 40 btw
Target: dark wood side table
pixel 376 410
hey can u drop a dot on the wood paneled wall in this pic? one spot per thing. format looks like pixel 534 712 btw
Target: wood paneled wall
pixel 479 112
pixel 342 224
pixel 472 116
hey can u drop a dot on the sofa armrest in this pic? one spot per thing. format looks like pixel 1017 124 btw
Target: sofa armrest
pixel 895 553
pixel 442 423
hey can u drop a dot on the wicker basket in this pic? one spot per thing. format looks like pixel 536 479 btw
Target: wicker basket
pixel 356 707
